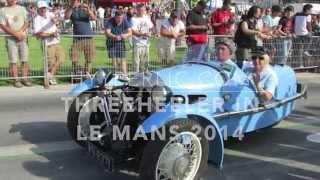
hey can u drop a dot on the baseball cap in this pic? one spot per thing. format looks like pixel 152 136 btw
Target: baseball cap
pixel 258 51
pixel 42 4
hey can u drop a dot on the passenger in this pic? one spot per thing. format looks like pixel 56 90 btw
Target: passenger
pixel 225 48
pixel 263 76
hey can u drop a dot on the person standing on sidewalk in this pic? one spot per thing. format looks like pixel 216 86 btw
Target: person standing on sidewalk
pixel 222 20
pixel 117 30
pixel 141 30
pixel 285 30
pixel 100 14
pixel 171 29
pixel 45 28
pixel 14 22
pixel 302 29
pixel 197 25
pixel 80 16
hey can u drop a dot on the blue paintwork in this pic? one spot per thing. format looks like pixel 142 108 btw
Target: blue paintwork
pixel 84 86
pixel 91 84
pixel 198 79
pixel 221 96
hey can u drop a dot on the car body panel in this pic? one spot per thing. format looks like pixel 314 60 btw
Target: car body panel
pixel 82 87
pixel 180 112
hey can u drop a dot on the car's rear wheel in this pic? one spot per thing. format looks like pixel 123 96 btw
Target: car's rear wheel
pixel 182 155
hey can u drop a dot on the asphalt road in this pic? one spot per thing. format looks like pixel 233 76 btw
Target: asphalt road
pixel 35 145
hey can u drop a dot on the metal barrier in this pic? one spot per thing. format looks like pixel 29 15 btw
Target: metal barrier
pixel 302 52
pixel 298 52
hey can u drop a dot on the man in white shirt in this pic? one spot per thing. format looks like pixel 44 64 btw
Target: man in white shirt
pixel 263 76
pixel 45 29
pixel 171 30
pixel 141 30
pixel 302 29
pixel 100 16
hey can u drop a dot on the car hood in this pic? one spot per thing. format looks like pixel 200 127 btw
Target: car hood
pixel 190 77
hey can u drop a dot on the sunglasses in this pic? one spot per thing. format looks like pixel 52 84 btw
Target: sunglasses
pixel 257 57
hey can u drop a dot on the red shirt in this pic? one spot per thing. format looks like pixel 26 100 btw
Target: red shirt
pixel 220 16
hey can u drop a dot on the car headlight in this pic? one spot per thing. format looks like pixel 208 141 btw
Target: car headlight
pixel 160 94
pixel 100 77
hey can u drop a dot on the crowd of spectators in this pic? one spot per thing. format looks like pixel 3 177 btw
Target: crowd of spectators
pixel 273 28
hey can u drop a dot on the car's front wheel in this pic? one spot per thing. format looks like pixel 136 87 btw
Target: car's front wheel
pixel 181 155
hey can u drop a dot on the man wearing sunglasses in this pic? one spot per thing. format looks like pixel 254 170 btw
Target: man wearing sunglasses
pixel 263 76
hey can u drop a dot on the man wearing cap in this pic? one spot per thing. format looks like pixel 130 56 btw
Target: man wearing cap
pixel 45 28
pixel 141 29
pixel 222 19
pixel 263 76
pixel 171 30
pixel 224 51
pixel 13 21
pixel 117 29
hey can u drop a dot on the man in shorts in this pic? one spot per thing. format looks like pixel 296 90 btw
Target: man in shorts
pixel 13 21
pixel 80 16
pixel 45 28
pixel 117 29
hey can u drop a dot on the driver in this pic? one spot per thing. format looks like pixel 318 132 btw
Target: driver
pixel 225 48
pixel 263 76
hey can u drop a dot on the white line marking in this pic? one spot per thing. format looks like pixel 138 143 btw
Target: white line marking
pixel 314 138
pixel 279 161
pixel 35 149
pixel 298 148
pixel 301 177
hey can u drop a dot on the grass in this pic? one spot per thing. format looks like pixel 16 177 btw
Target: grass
pixel 101 60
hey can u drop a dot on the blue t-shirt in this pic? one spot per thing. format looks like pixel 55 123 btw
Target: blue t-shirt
pixel 116 30
pixel 81 22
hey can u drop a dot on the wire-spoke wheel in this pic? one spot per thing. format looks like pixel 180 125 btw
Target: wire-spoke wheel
pixel 181 156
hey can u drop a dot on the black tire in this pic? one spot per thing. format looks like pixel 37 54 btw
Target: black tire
pixel 154 148
pixel 73 116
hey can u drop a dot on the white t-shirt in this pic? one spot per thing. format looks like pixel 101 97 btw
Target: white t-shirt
pixel 176 29
pixel 100 13
pixel 300 24
pixel 14 17
pixel 141 25
pixel 46 25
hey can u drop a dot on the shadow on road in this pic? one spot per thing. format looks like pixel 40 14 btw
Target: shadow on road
pixel 275 153
pixel 70 164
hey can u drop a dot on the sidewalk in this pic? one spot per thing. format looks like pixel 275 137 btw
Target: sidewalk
pixel 313 78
